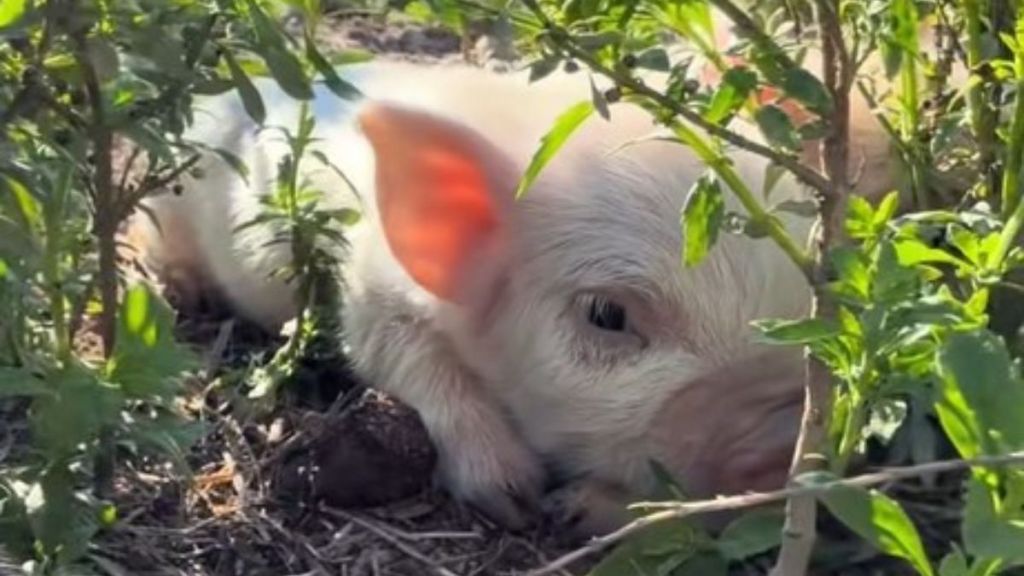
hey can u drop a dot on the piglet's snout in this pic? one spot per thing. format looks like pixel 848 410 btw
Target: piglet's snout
pixel 734 429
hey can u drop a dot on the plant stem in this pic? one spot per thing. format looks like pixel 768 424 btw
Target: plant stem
pixel 105 228
pixel 51 270
pixel 982 120
pixel 1015 148
pixel 721 165
pixel 809 455
pixel 851 434
pixel 1013 207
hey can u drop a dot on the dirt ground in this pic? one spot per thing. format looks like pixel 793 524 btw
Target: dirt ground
pixel 338 480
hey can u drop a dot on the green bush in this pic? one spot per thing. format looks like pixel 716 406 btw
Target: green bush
pixel 76 79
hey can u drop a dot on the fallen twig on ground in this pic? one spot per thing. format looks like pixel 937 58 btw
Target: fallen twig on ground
pixel 391 538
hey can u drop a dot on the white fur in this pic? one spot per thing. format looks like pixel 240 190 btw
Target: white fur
pixel 536 384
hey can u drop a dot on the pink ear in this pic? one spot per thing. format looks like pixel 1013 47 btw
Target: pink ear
pixel 439 188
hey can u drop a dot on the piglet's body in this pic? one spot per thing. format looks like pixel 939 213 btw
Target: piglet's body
pixel 558 334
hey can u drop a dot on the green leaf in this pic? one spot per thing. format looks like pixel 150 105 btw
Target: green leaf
pixel 986 532
pixel 980 396
pixel 104 58
pixel 78 408
pixel 737 84
pixel 913 252
pixel 11 11
pixel 803 331
pixel 20 382
pixel 704 563
pixel 287 71
pixel 148 361
pixel 657 549
pixel 541 68
pixel 167 435
pixel 564 126
pixel 702 218
pixel 63 519
pixel 251 99
pixel 860 217
pixel 29 210
pixel 333 81
pixel 777 127
pixel 879 520
pixel 805 88
pixel 954 563
pixel 752 533
pixel 691 19
pixel 654 59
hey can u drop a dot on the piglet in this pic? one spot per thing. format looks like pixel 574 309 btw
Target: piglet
pixel 552 338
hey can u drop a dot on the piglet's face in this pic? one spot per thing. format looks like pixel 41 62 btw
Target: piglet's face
pixel 572 303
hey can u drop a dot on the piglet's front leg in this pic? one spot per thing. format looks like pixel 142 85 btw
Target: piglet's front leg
pixel 482 459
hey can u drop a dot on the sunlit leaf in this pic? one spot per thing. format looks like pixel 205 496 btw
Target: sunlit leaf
pixel 986 532
pixel 796 331
pixel 147 361
pixel 737 84
pixel 563 128
pixel 879 520
pixel 701 219
pixel 981 395
pixel 11 11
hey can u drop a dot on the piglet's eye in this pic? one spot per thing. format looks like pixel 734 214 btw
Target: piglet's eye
pixel 607 315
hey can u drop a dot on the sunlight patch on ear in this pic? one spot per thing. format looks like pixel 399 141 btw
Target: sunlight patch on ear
pixel 434 192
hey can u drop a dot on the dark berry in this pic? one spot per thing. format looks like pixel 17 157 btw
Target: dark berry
pixel 612 95
pixel 629 61
pixel 570 66
pixel 177 189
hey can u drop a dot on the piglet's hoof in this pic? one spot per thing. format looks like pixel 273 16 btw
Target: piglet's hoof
pixel 374 453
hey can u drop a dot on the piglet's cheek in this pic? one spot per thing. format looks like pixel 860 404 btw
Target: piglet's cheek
pixel 733 430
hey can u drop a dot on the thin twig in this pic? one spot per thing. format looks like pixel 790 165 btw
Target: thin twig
pixel 150 184
pixel 391 539
pixel 804 173
pixel 676 510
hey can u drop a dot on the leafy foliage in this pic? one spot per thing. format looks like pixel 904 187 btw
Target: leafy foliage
pixel 77 78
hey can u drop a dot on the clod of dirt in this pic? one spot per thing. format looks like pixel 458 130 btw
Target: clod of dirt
pixel 375 452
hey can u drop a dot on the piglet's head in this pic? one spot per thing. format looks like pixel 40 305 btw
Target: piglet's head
pixel 575 307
